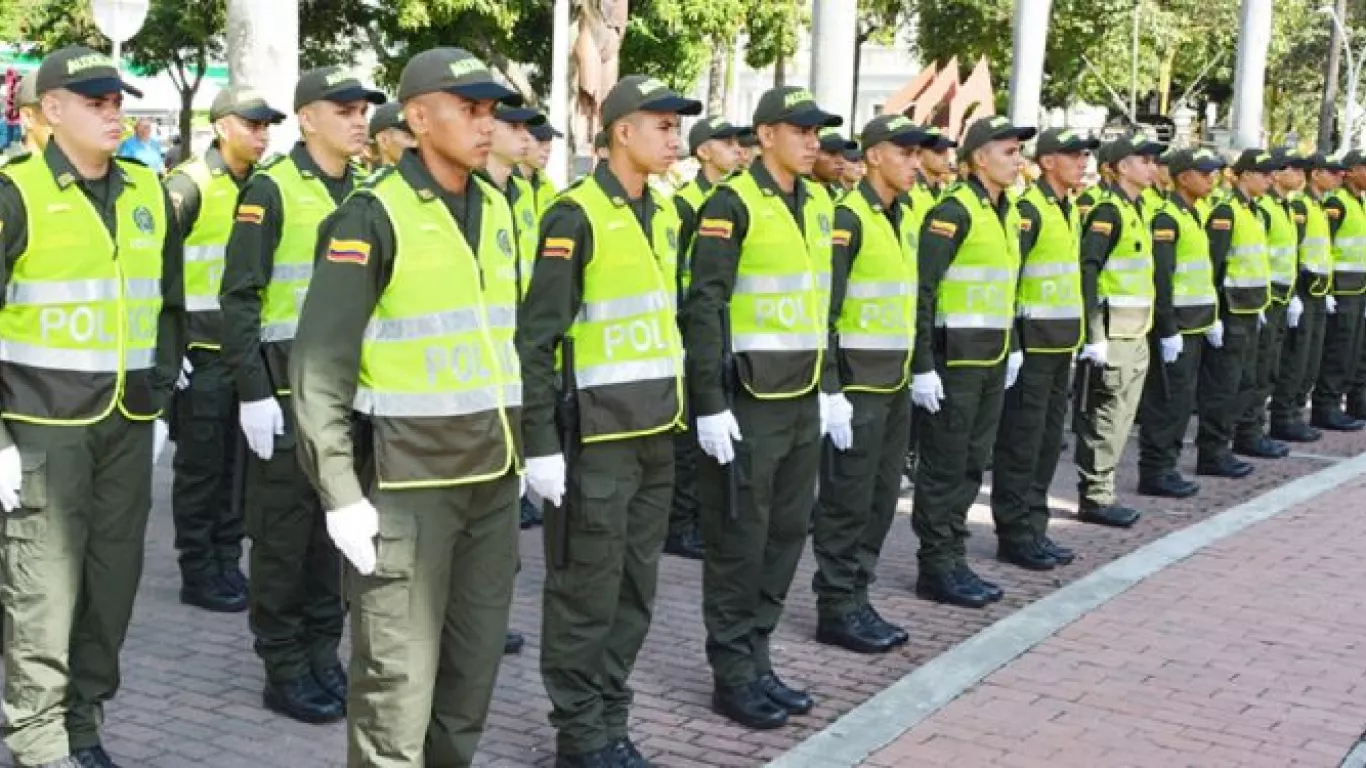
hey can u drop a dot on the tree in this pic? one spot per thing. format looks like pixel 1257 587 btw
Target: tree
pixel 878 21
pixel 773 27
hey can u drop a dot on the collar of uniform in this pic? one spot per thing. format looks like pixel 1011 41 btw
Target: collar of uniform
pixel 703 183
pixel 871 195
pixel 417 176
pixel 979 189
pixel 65 173
pixel 1180 202
pixel 764 181
pixel 1244 199
pixel 307 167
pixel 1047 190
pixel 213 157
pixel 611 186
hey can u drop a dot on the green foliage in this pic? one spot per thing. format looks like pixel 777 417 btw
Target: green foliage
pixel 773 26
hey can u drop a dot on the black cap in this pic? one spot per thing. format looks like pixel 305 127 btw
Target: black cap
pixel 833 141
pixel 332 84
pixel 1133 144
pixel 544 131
pixel 600 140
pixel 452 70
pixel 80 70
pixel 1202 160
pixel 1057 141
pixel 941 140
pixel 1257 161
pixel 854 155
pixel 1290 157
pixel 897 129
pixel 638 93
pixel 1353 159
pixel 518 115
pixel 714 128
pixel 246 103
pixel 1324 162
pixel 28 90
pixel 794 106
pixel 989 129
pixel 388 116
pixel 749 140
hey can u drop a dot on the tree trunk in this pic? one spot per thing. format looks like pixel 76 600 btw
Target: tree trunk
pixel 186 122
pixel 853 84
pixel 263 52
pixel 1328 106
pixel 716 81
pixel 780 71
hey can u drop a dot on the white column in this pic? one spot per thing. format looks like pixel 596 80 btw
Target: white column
pixel 1026 75
pixel 558 168
pixel 1249 79
pixel 263 53
pixel 834 33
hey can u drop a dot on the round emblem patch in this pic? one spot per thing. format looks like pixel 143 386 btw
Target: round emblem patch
pixel 823 221
pixel 528 219
pixel 142 217
pixel 505 242
pixel 672 235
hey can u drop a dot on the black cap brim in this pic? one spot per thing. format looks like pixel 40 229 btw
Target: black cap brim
pixel 1151 148
pixel 487 91
pixel 674 105
pixel 941 143
pixel 1075 145
pixel 545 132
pixel 519 115
pixel 102 86
pixel 838 145
pixel 732 132
pixel 1204 166
pixel 260 115
pixel 812 118
pixel 357 93
pixel 913 138
pixel 1022 133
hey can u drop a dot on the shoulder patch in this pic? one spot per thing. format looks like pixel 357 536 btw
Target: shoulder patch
pixel 251 214
pixel 1333 212
pixel 1026 224
pixel 1102 227
pixel 1299 218
pixel 1221 224
pixel 557 248
pixel 840 237
pixel 348 251
pixel 942 228
pixel 719 228
pixel 1164 235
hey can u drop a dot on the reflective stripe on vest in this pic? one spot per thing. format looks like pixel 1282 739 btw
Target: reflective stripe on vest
pixel 439 375
pixel 1247 275
pixel 1349 246
pixel 876 326
pixel 206 239
pixel 628 356
pixel 1126 280
pixel 1316 249
pixel 1049 295
pixel 82 302
pixel 1282 240
pixel 975 300
pixel 527 223
pixel 1194 298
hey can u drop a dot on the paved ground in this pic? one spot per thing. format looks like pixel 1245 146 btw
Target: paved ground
pixel 1245 654
pixel 191 694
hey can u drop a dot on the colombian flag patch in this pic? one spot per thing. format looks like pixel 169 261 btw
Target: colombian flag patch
pixel 943 228
pixel 1164 235
pixel 840 237
pixel 250 214
pixel 557 248
pixel 348 251
pixel 1026 225
pixel 715 228
pixel 1102 227
pixel 1333 213
pixel 1220 224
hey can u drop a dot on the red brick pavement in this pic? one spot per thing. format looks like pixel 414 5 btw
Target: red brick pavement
pixel 1248 653
pixel 191 691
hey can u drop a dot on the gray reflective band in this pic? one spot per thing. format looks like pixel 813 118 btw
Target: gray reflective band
pixel 1198 300
pixel 1127 265
pixel 1247 250
pixel 435 404
pixel 1128 302
pixel 1348 268
pixel 879 290
pixel 142 289
pixel 778 342
pixel 1245 282
pixel 204 303
pixel 875 342
pixel 620 309
pixel 1049 312
pixel 978 275
pixel 968 320
pixel 628 372
pixel 1192 267
pixel 291 273
pixel 47 292
pixel 279 331
pixel 1282 253
pixel 1350 242
pixel 1322 270
pixel 1050 269
pixel 1314 242
pixel 773 283
pixel 422 326
pixel 501 316
pixel 195 253
pixel 80 360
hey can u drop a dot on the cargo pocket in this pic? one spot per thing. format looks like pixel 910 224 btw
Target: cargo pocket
pixel 33 488
pixel 388 591
pixel 591 536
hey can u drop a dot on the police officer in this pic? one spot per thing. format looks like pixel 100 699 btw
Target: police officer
pixel 208 524
pixel 91 347
pixel 750 144
pixel 1343 333
pixel 760 291
pixel 1105 176
pixel 1049 323
pixel 31 120
pixel 854 169
pixel 1354 189
pixel 872 334
pixel 969 261
pixel 532 166
pixel 1228 373
pixel 296 612
pixel 390 134
pixel 1117 283
pixel 603 295
pixel 406 342
pixel 1153 197
pixel 1308 281
pixel 832 160
pixel 511 141
pixel 1316 278
pixel 1186 309
pixel 716 145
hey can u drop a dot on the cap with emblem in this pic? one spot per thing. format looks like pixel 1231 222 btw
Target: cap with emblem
pixel 1320 161
pixel 833 141
pixel 941 140
pixel 452 70
pixel 332 84
pixel 246 103
pixel 1290 157
pixel 1137 144
pixel 1257 161
pixel 80 70
pixel 989 129
pixel 897 129
pixel 388 116
pixel 638 93
pixel 1200 160
pixel 527 116
pixel 714 128
pixel 794 106
pixel 544 131
pixel 1062 141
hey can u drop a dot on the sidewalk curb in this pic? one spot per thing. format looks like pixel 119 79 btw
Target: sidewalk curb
pixel 848 741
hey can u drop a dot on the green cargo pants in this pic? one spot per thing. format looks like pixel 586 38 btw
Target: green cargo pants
pixel 1252 420
pixel 955 444
pixel 295 597
pixel 73 559
pixel 1225 374
pixel 1165 411
pixel 859 490
pixel 596 610
pixel 208 531
pixel 753 550
pixel 1028 443
pixel 683 506
pixel 427 627
pixel 1300 356
pixel 1103 428
pixel 1342 342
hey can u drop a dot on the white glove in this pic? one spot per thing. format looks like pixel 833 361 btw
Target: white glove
pixel 839 419
pixel 1215 334
pixel 186 371
pixel 717 434
pixel 545 477
pixel 825 414
pixel 1171 348
pixel 1013 364
pixel 261 421
pixel 1098 353
pixel 1330 304
pixel 1261 319
pixel 353 529
pixel 1293 312
pixel 11 478
pixel 927 391
pixel 161 432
